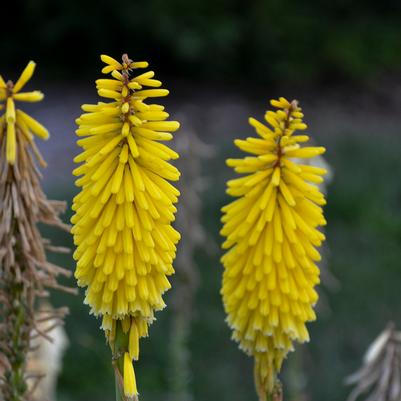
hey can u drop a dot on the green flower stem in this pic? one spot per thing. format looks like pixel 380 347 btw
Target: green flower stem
pixel 18 334
pixel 180 355
pixel 119 393
pixel 119 347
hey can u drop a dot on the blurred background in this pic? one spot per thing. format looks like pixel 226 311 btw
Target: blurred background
pixel 222 61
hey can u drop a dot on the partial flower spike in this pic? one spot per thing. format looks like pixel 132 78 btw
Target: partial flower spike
pixel 15 119
pixel 122 223
pixel 272 235
pixel 26 273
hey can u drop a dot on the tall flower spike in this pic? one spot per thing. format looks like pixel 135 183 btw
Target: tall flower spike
pixel 272 234
pixel 25 273
pixel 123 214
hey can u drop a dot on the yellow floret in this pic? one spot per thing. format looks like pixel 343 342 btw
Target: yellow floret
pixel 130 389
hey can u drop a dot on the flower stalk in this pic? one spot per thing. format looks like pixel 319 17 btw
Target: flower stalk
pixel 120 346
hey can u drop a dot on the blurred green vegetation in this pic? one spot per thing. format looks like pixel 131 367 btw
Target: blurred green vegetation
pixel 261 40
pixel 364 241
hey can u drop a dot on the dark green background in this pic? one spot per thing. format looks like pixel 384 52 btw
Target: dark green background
pixel 290 40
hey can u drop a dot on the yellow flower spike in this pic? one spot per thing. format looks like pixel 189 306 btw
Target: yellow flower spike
pixel 25 76
pixel 272 232
pixel 122 222
pixel 15 123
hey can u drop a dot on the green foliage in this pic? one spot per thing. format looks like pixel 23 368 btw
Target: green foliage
pixel 261 40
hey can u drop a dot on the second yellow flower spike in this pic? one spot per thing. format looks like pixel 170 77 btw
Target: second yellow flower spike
pixel 272 234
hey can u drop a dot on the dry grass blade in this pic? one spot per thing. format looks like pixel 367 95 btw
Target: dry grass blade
pixel 379 378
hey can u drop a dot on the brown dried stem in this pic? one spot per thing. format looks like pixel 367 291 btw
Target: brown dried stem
pixel 25 272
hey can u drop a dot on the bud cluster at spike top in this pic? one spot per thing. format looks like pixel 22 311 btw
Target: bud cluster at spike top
pixel 14 121
pixel 123 214
pixel 272 234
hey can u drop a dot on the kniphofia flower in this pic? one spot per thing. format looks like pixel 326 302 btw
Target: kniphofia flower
pixel 123 214
pixel 24 270
pixel 272 234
